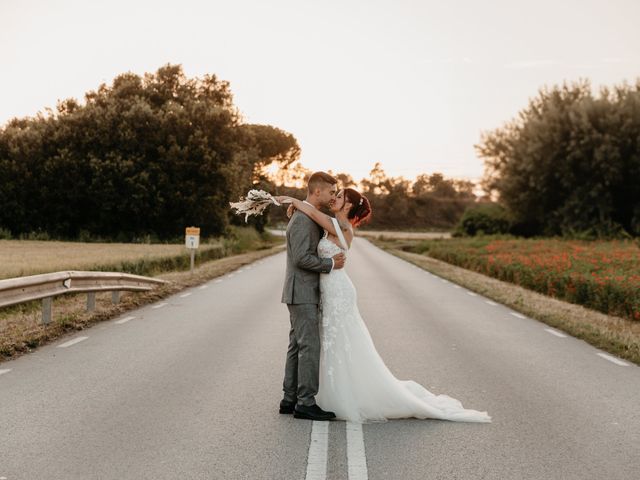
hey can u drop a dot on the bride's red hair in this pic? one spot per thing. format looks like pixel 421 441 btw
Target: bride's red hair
pixel 360 207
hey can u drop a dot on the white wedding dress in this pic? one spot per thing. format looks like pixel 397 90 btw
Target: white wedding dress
pixel 354 381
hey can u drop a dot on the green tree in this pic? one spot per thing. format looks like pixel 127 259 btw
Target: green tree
pixel 144 156
pixel 570 162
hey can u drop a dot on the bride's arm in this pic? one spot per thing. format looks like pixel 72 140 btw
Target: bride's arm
pixel 313 213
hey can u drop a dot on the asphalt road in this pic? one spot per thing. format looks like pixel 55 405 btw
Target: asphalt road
pixel 189 387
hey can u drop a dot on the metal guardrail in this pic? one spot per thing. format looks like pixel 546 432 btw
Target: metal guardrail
pixel 48 285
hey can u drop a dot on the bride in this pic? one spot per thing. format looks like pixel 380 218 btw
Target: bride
pixel 354 381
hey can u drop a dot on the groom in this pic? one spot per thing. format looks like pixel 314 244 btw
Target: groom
pixel 301 293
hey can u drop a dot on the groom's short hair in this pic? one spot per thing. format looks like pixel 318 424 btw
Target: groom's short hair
pixel 317 179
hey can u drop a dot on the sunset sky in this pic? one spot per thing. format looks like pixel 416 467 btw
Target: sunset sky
pixel 410 84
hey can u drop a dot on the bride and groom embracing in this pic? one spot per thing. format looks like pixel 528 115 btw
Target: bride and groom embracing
pixel 331 357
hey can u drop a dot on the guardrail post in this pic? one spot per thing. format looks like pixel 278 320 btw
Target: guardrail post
pixel 115 296
pixel 91 301
pixel 46 310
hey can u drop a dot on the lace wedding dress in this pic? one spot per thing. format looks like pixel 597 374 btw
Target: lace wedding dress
pixel 354 381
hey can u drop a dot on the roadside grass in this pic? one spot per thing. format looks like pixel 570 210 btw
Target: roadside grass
pixel 603 275
pixel 616 335
pixel 21 330
pixel 20 258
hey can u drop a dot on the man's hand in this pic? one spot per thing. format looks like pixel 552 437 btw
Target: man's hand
pixel 338 260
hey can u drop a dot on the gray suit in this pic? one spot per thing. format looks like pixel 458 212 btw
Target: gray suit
pixel 301 293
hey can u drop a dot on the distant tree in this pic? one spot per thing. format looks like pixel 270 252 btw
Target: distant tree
pixel 344 180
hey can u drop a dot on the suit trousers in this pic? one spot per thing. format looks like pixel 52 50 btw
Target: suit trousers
pixel 302 368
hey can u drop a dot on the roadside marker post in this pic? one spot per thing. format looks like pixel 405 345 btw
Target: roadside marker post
pixel 192 242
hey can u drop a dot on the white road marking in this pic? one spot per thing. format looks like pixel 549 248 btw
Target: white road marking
pixel 72 342
pixel 490 302
pixel 186 294
pixel 202 287
pixel 555 332
pixel 317 459
pixel 356 457
pixel 613 359
pixel 124 320
pixel 519 315
pixel 160 305
pixel 472 294
pixel 6 370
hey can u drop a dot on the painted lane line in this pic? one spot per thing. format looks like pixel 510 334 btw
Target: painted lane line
pixel 613 359
pixel 72 342
pixel 472 294
pixel 160 305
pixel 356 457
pixel 555 332
pixel 519 315
pixel 6 370
pixel 490 302
pixel 124 320
pixel 317 459
pixel 186 294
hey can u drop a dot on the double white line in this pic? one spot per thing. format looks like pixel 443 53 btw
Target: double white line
pixel 356 457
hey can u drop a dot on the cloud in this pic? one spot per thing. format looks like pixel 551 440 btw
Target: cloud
pixel 614 60
pixel 532 64
pixel 448 61
pixel 586 64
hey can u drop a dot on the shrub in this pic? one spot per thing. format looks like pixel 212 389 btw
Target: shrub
pixel 483 219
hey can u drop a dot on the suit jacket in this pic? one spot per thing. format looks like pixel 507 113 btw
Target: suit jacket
pixel 302 278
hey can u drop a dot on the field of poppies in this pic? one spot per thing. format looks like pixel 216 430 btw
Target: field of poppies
pixel 602 275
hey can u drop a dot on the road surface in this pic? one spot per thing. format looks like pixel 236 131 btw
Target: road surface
pixel 188 388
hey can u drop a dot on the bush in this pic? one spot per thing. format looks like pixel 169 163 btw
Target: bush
pixel 5 234
pixel 483 219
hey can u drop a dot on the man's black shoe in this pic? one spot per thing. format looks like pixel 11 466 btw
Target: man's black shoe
pixel 287 408
pixel 313 412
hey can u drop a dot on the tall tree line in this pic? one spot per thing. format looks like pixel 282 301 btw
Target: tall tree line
pixel 143 156
pixel 428 202
pixel 570 162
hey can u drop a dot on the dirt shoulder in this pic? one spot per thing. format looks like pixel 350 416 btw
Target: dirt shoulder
pixel 21 331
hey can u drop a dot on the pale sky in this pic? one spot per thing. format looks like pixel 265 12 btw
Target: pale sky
pixel 410 84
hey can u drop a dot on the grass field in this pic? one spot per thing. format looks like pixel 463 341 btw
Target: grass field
pixel 603 275
pixel 29 257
